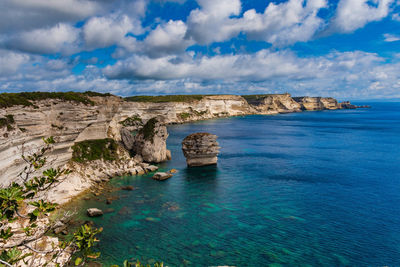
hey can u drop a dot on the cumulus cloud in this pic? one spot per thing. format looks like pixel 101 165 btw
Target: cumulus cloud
pixel 259 67
pixel 11 61
pixel 101 32
pixel 280 24
pixel 167 39
pixel 354 14
pixel 24 15
pixel 60 38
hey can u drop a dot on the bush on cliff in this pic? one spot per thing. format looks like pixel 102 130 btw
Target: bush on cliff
pixel 7 121
pixel 90 150
pixel 148 129
pixel 24 221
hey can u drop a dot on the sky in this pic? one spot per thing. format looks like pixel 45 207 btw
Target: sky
pixel 348 49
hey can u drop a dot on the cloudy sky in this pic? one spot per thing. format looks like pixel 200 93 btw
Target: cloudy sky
pixel 346 49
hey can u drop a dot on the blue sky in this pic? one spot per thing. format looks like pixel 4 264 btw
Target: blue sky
pixel 349 49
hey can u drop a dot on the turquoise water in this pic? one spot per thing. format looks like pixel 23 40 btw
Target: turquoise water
pixel 303 189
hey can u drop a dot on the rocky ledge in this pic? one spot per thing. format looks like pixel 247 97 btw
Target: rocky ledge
pixel 200 149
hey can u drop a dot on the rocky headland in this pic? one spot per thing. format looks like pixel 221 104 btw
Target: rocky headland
pixel 73 118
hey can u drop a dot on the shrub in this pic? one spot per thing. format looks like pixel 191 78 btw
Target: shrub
pixel 7 121
pixel 90 150
pixel 148 129
pixel 184 115
pixel 132 121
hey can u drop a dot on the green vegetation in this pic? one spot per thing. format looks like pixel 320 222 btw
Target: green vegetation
pixel 7 121
pixel 19 203
pixel 165 98
pixel 184 115
pixel 27 98
pixel 148 129
pixel 89 150
pixel 132 121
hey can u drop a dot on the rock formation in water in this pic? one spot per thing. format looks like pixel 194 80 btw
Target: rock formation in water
pixel 151 142
pixel 200 149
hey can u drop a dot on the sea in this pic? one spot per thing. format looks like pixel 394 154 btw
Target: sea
pixel 315 188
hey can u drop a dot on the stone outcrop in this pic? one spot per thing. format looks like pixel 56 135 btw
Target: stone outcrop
pixel 273 104
pixel 317 103
pixel 127 139
pixel 151 142
pixel 200 149
pixel 161 176
pixel 94 212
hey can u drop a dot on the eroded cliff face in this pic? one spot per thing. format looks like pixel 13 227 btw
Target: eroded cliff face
pixel 273 104
pixel 317 103
pixel 71 122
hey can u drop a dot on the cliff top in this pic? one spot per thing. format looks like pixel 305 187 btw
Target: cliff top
pixel 164 98
pixel 27 98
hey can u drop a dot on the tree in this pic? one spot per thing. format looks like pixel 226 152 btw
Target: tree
pixel 24 218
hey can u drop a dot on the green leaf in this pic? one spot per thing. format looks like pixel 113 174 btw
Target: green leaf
pixel 78 261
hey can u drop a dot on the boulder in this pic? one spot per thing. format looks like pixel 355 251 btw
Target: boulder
pixel 127 138
pixel 94 212
pixel 200 149
pixel 161 176
pixel 151 142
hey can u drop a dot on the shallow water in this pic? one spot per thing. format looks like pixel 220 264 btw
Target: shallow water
pixel 303 189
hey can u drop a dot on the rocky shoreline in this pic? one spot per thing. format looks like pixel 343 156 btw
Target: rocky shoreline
pixel 112 117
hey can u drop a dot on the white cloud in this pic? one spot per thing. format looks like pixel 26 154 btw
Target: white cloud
pixel 261 66
pixel 280 24
pixel 354 14
pixel 60 38
pixel 396 17
pixel 167 39
pixel 391 37
pixel 106 31
pixel 25 15
pixel 212 21
pixel 10 62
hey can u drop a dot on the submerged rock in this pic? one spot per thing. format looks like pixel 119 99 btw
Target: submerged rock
pixel 151 142
pixel 161 176
pixel 200 149
pixel 94 212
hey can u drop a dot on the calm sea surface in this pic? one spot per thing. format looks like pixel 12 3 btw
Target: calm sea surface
pixel 303 189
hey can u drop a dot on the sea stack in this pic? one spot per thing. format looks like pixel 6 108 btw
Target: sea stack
pixel 200 149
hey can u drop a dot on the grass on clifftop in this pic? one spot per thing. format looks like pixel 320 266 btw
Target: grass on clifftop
pixel 27 98
pixel 164 98
pixel 90 150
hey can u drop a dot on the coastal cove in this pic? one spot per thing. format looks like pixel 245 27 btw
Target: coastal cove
pixel 300 189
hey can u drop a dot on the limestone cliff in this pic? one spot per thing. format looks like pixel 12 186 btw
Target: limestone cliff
pixel 105 116
pixel 317 103
pixel 272 104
